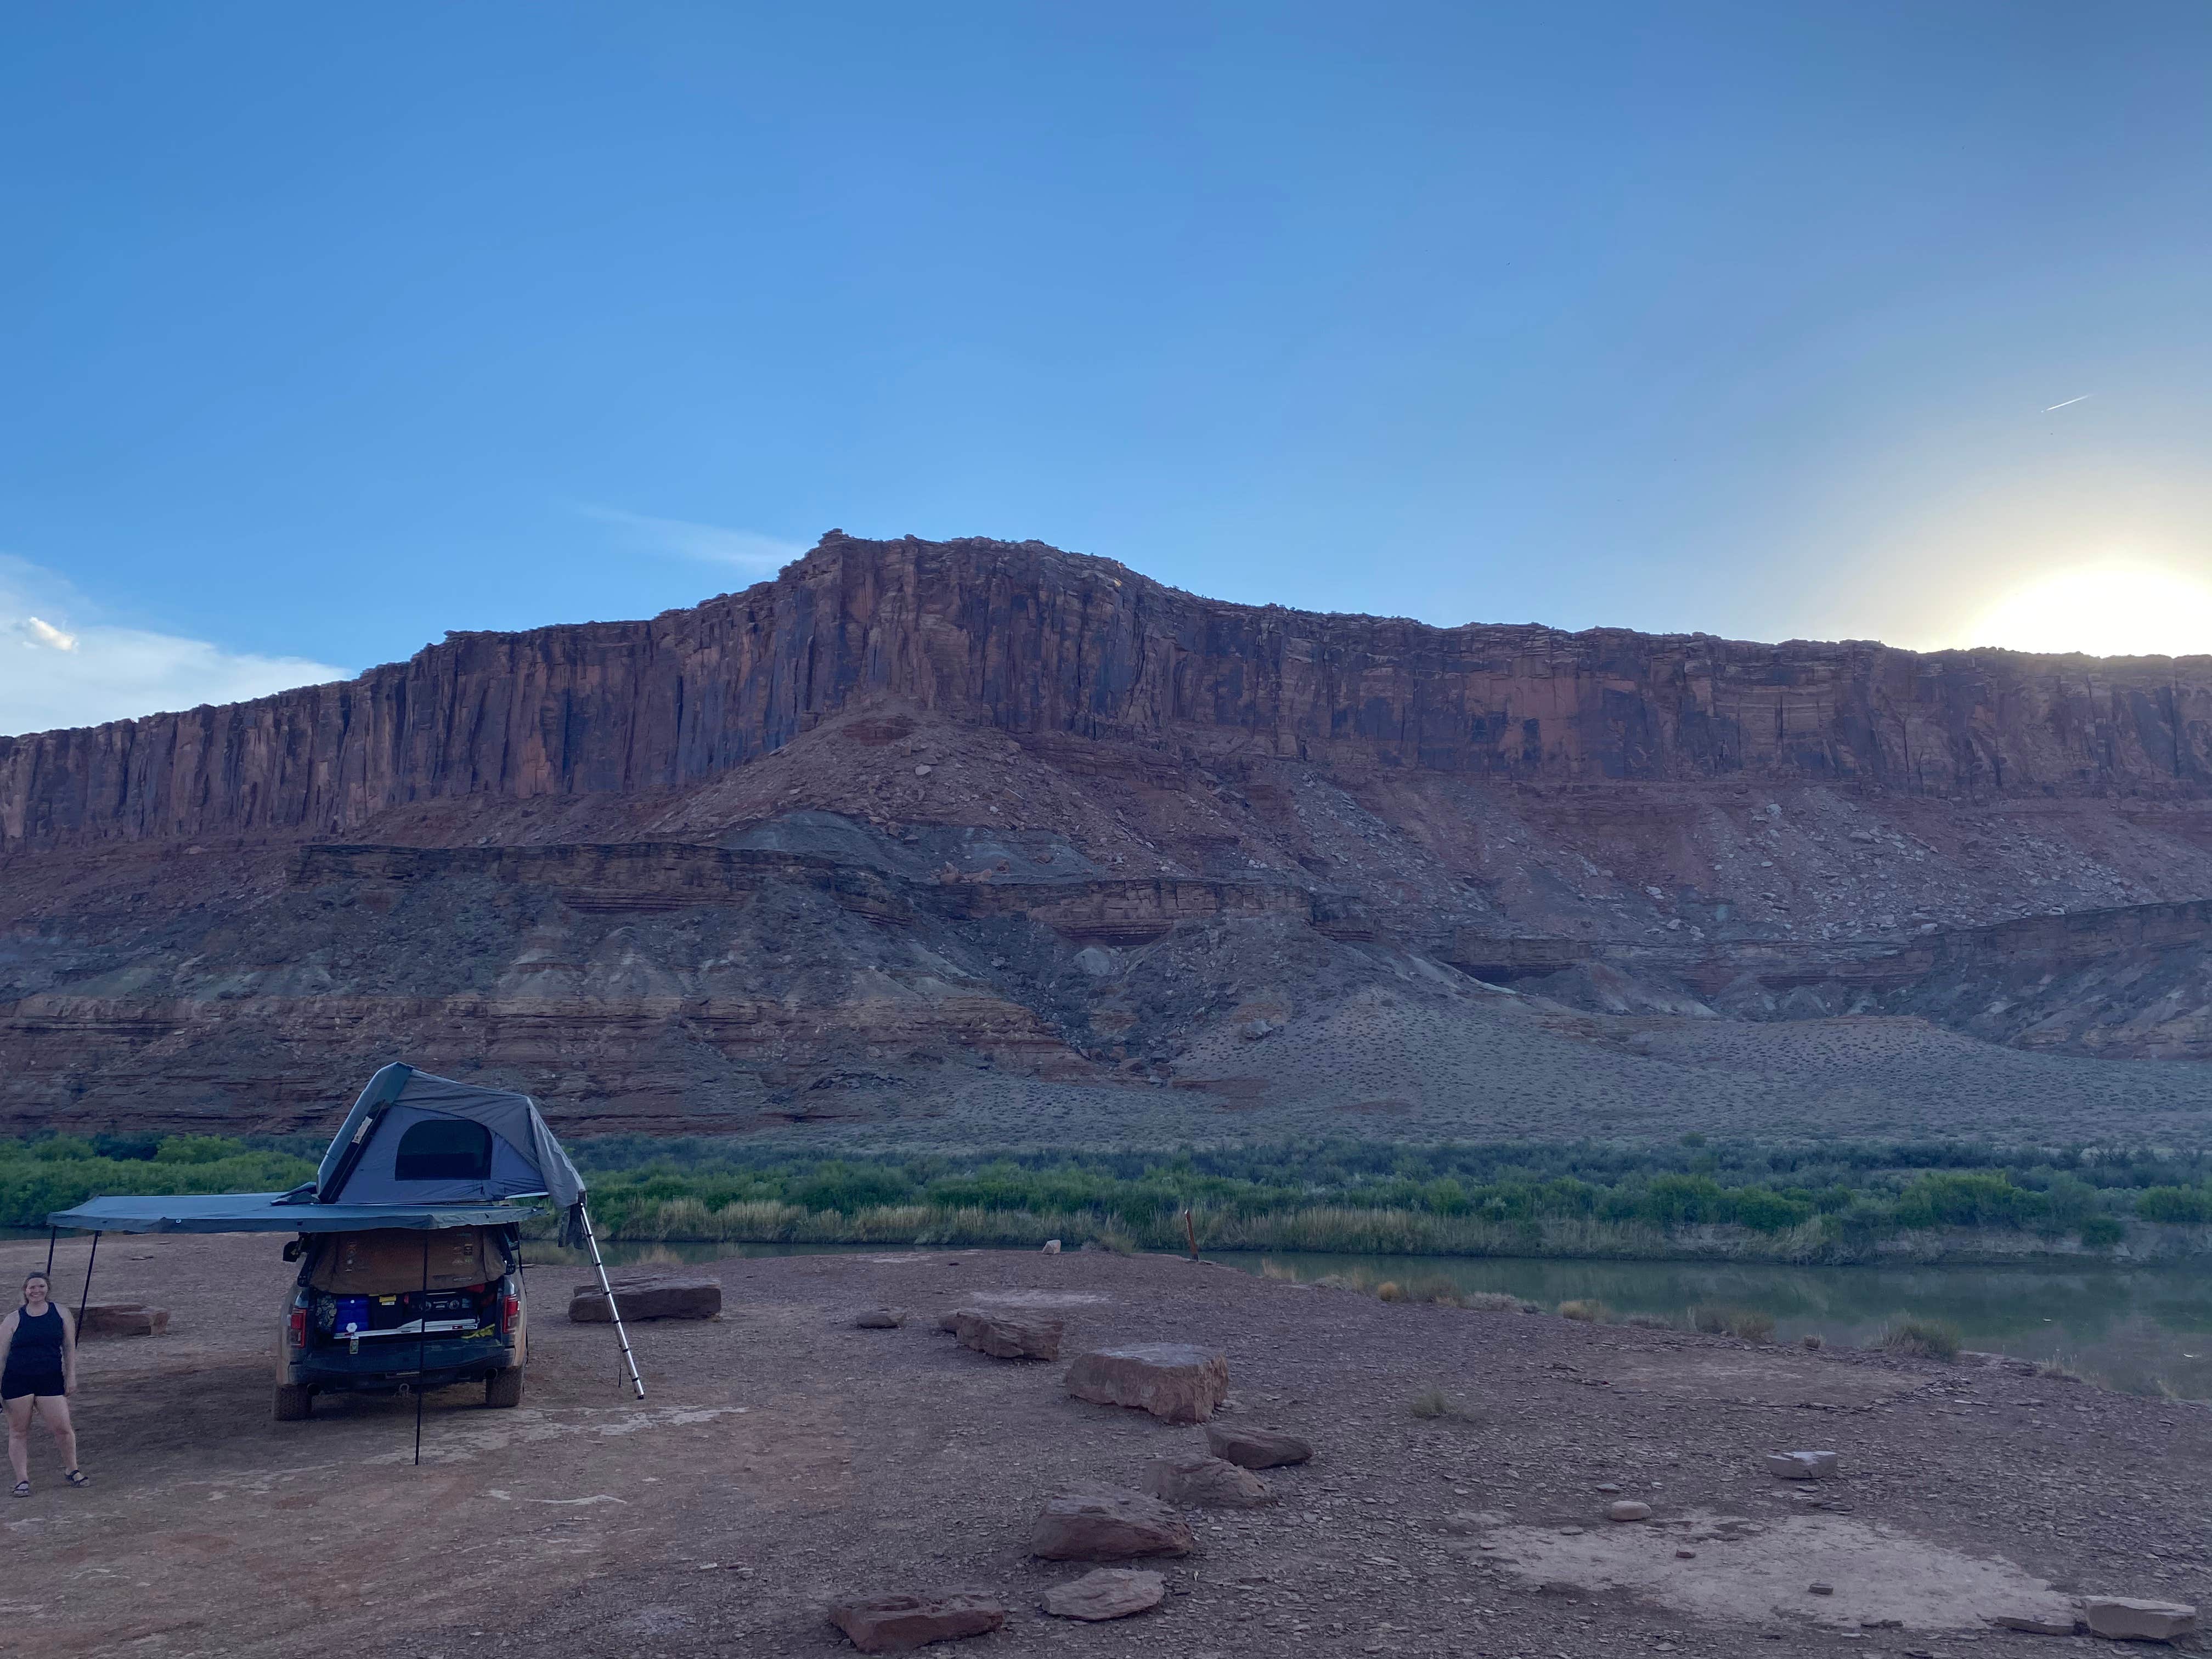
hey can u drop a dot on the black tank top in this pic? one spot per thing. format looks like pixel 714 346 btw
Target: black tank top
pixel 38 1344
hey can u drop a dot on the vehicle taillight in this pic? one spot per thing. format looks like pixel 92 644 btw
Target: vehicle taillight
pixel 510 1309
pixel 299 1327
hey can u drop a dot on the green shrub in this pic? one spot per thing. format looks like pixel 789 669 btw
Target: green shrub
pixel 2190 1206
pixel 2101 1232
pixel 1923 1339
pixel 1588 1310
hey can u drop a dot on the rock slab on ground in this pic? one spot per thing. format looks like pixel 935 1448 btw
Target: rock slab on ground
pixel 879 1319
pixel 2126 1619
pixel 1175 1381
pixel 1801 1465
pixel 122 1318
pixel 895 1623
pixel 661 1295
pixel 1628 1509
pixel 1106 1523
pixel 1194 1478
pixel 1008 1335
pixel 1106 1593
pixel 1255 1449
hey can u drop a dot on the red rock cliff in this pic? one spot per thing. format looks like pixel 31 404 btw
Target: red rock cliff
pixel 1034 640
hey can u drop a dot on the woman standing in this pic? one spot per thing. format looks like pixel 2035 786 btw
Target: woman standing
pixel 40 1342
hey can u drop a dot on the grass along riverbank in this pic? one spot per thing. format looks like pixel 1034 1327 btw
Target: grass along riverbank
pixel 1805 1204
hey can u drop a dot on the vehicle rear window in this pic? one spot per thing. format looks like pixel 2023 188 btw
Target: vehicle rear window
pixel 443 1149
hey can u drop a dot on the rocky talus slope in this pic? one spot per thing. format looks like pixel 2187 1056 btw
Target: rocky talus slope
pixel 983 840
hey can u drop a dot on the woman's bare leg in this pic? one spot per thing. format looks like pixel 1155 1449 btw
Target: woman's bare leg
pixel 54 1409
pixel 19 1436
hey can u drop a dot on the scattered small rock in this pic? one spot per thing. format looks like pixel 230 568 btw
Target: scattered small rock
pixel 1106 1593
pixel 1801 1465
pixel 879 1319
pixel 1194 1479
pixel 895 1623
pixel 1628 1509
pixel 1105 1523
pixel 1255 1449
pixel 1008 1335
pixel 1173 1380
pixel 2127 1620
pixel 1821 1589
pixel 1685 1555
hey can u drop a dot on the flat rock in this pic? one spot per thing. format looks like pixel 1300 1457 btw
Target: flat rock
pixel 2033 1623
pixel 1175 1381
pixel 1106 1593
pixel 1194 1478
pixel 1255 1449
pixel 894 1623
pixel 122 1318
pixel 1106 1523
pixel 660 1296
pixel 1628 1509
pixel 1008 1335
pixel 2126 1619
pixel 879 1319
pixel 1801 1465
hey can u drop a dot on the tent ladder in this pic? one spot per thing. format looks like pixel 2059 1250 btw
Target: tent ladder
pixel 621 1335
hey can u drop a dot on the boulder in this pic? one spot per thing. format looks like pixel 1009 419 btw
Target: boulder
pixel 895 1623
pixel 2126 1619
pixel 1628 1509
pixel 122 1318
pixel 1801 1465
pixel 1173 1380
pixel 1008 1335
pixel 1255 1449
pixel 1105 1523
pixel 879 1319
pixel 657 1296
pixel 1106 1593
pixel 1193 1478
pixel 1052 1248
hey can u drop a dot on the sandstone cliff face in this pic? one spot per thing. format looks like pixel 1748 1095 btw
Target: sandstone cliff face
pixel 1038 642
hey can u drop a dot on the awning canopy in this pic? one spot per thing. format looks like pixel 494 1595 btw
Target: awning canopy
pixel 268 1212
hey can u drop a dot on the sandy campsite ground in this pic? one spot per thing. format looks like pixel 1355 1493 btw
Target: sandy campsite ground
pixel 785 1457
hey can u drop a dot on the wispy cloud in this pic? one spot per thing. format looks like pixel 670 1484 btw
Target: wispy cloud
pixel 60 665
pixel 710 544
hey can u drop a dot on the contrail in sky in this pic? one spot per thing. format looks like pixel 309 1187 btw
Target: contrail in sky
pixel 2084 398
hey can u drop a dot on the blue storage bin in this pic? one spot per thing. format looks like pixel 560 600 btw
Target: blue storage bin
pixel 352 1315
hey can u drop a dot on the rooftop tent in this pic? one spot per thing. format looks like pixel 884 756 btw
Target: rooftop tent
pixel 414 1139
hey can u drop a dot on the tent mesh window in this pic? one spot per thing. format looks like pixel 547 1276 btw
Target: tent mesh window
pixel 445 1149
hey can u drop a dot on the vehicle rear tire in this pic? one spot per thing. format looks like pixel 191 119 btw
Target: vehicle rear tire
pixel 504 1389
pixel 296 1402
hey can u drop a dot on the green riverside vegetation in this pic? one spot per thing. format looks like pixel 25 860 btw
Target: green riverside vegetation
pixel 1742 1201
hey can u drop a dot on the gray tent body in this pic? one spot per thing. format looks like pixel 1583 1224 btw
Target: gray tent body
pixel 364 1163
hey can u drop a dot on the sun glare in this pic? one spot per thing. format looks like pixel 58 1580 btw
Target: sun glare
pixel 2105 611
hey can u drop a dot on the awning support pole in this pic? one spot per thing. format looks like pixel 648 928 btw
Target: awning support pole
pixel 614 1312
pixel 421 1344
pixel 85 1297
pixel 52 1233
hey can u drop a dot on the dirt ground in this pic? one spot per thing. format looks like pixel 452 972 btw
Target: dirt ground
pixel 784 1457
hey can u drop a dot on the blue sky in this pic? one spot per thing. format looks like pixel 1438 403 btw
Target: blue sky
pixel 325 330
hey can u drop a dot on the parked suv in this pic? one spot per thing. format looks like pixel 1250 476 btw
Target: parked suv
pixel 360 1320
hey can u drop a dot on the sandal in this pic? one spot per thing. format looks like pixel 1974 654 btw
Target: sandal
pixel 77 1477
pixel 22 1489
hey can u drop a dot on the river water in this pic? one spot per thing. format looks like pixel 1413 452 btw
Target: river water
pixel 2138 1329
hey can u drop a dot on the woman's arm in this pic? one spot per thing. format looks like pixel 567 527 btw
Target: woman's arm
pixel 7 1337
pixel 69 1351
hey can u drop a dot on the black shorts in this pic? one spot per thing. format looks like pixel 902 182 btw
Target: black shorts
pixel 14 1386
